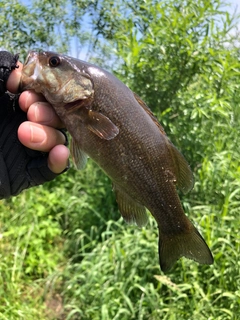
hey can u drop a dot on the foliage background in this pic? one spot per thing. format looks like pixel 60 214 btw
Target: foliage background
pixel 64 251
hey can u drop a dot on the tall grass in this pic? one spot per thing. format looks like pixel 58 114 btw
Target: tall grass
pixel 53 267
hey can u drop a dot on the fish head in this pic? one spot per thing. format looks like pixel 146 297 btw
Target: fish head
pixel 57 77
pixel 68 84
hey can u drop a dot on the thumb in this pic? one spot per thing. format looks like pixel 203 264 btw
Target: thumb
pixel 14 79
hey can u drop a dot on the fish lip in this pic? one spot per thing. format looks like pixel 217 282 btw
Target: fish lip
pixel 32 56
pixel 30 71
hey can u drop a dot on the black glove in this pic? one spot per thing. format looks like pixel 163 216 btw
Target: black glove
pixel 20 167
pixel 8 62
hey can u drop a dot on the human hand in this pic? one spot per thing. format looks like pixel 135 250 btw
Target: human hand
pixel 40 132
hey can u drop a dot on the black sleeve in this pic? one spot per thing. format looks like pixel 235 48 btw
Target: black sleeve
pixel 20 167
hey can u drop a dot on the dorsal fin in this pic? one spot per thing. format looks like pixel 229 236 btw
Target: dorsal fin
pixel 183 173
pixel 149 112
pixel 182 170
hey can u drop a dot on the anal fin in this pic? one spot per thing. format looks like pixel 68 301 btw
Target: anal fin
pixel 131 211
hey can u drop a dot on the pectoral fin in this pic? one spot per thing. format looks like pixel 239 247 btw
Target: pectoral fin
pixel 79 157
pixel 97 122
pixel 101 125
pixel 131 211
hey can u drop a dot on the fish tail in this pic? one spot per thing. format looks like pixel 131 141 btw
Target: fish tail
pixel 189 244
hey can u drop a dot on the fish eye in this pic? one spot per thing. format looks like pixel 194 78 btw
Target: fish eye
pixel 54 61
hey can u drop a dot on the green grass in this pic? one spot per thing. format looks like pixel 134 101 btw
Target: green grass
pixel 65 254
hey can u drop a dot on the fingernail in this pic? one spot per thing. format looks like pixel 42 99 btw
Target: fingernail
pixel 42 112
pixel 37 134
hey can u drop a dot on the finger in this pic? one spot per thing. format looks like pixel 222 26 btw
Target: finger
pixel 38 109
pixel 39 137
pixel 58 158
pixel 43 113
pixel 28 97
pixel 14 79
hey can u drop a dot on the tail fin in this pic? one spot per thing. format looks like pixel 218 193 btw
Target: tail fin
pixel 190 245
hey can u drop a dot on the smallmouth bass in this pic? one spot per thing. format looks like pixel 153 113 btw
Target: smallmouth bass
pixel 113 126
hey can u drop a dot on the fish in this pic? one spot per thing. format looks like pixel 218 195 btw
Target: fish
pixel 112 125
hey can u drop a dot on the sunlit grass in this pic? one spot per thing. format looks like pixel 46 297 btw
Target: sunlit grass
pixel 110 269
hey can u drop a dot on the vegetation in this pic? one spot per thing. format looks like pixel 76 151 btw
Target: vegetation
pixel 65 253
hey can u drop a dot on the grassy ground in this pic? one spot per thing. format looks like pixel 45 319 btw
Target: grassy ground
pixel 65 254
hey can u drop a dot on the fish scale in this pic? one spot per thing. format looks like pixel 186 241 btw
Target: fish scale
pixel 113 126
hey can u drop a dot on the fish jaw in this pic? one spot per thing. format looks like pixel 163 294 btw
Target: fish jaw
pixel 60 85
pixel 31 73
pixel 36 76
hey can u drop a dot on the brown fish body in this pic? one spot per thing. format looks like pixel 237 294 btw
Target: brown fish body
pixel 114 127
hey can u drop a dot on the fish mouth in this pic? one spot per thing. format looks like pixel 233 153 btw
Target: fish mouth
pixel 31 71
